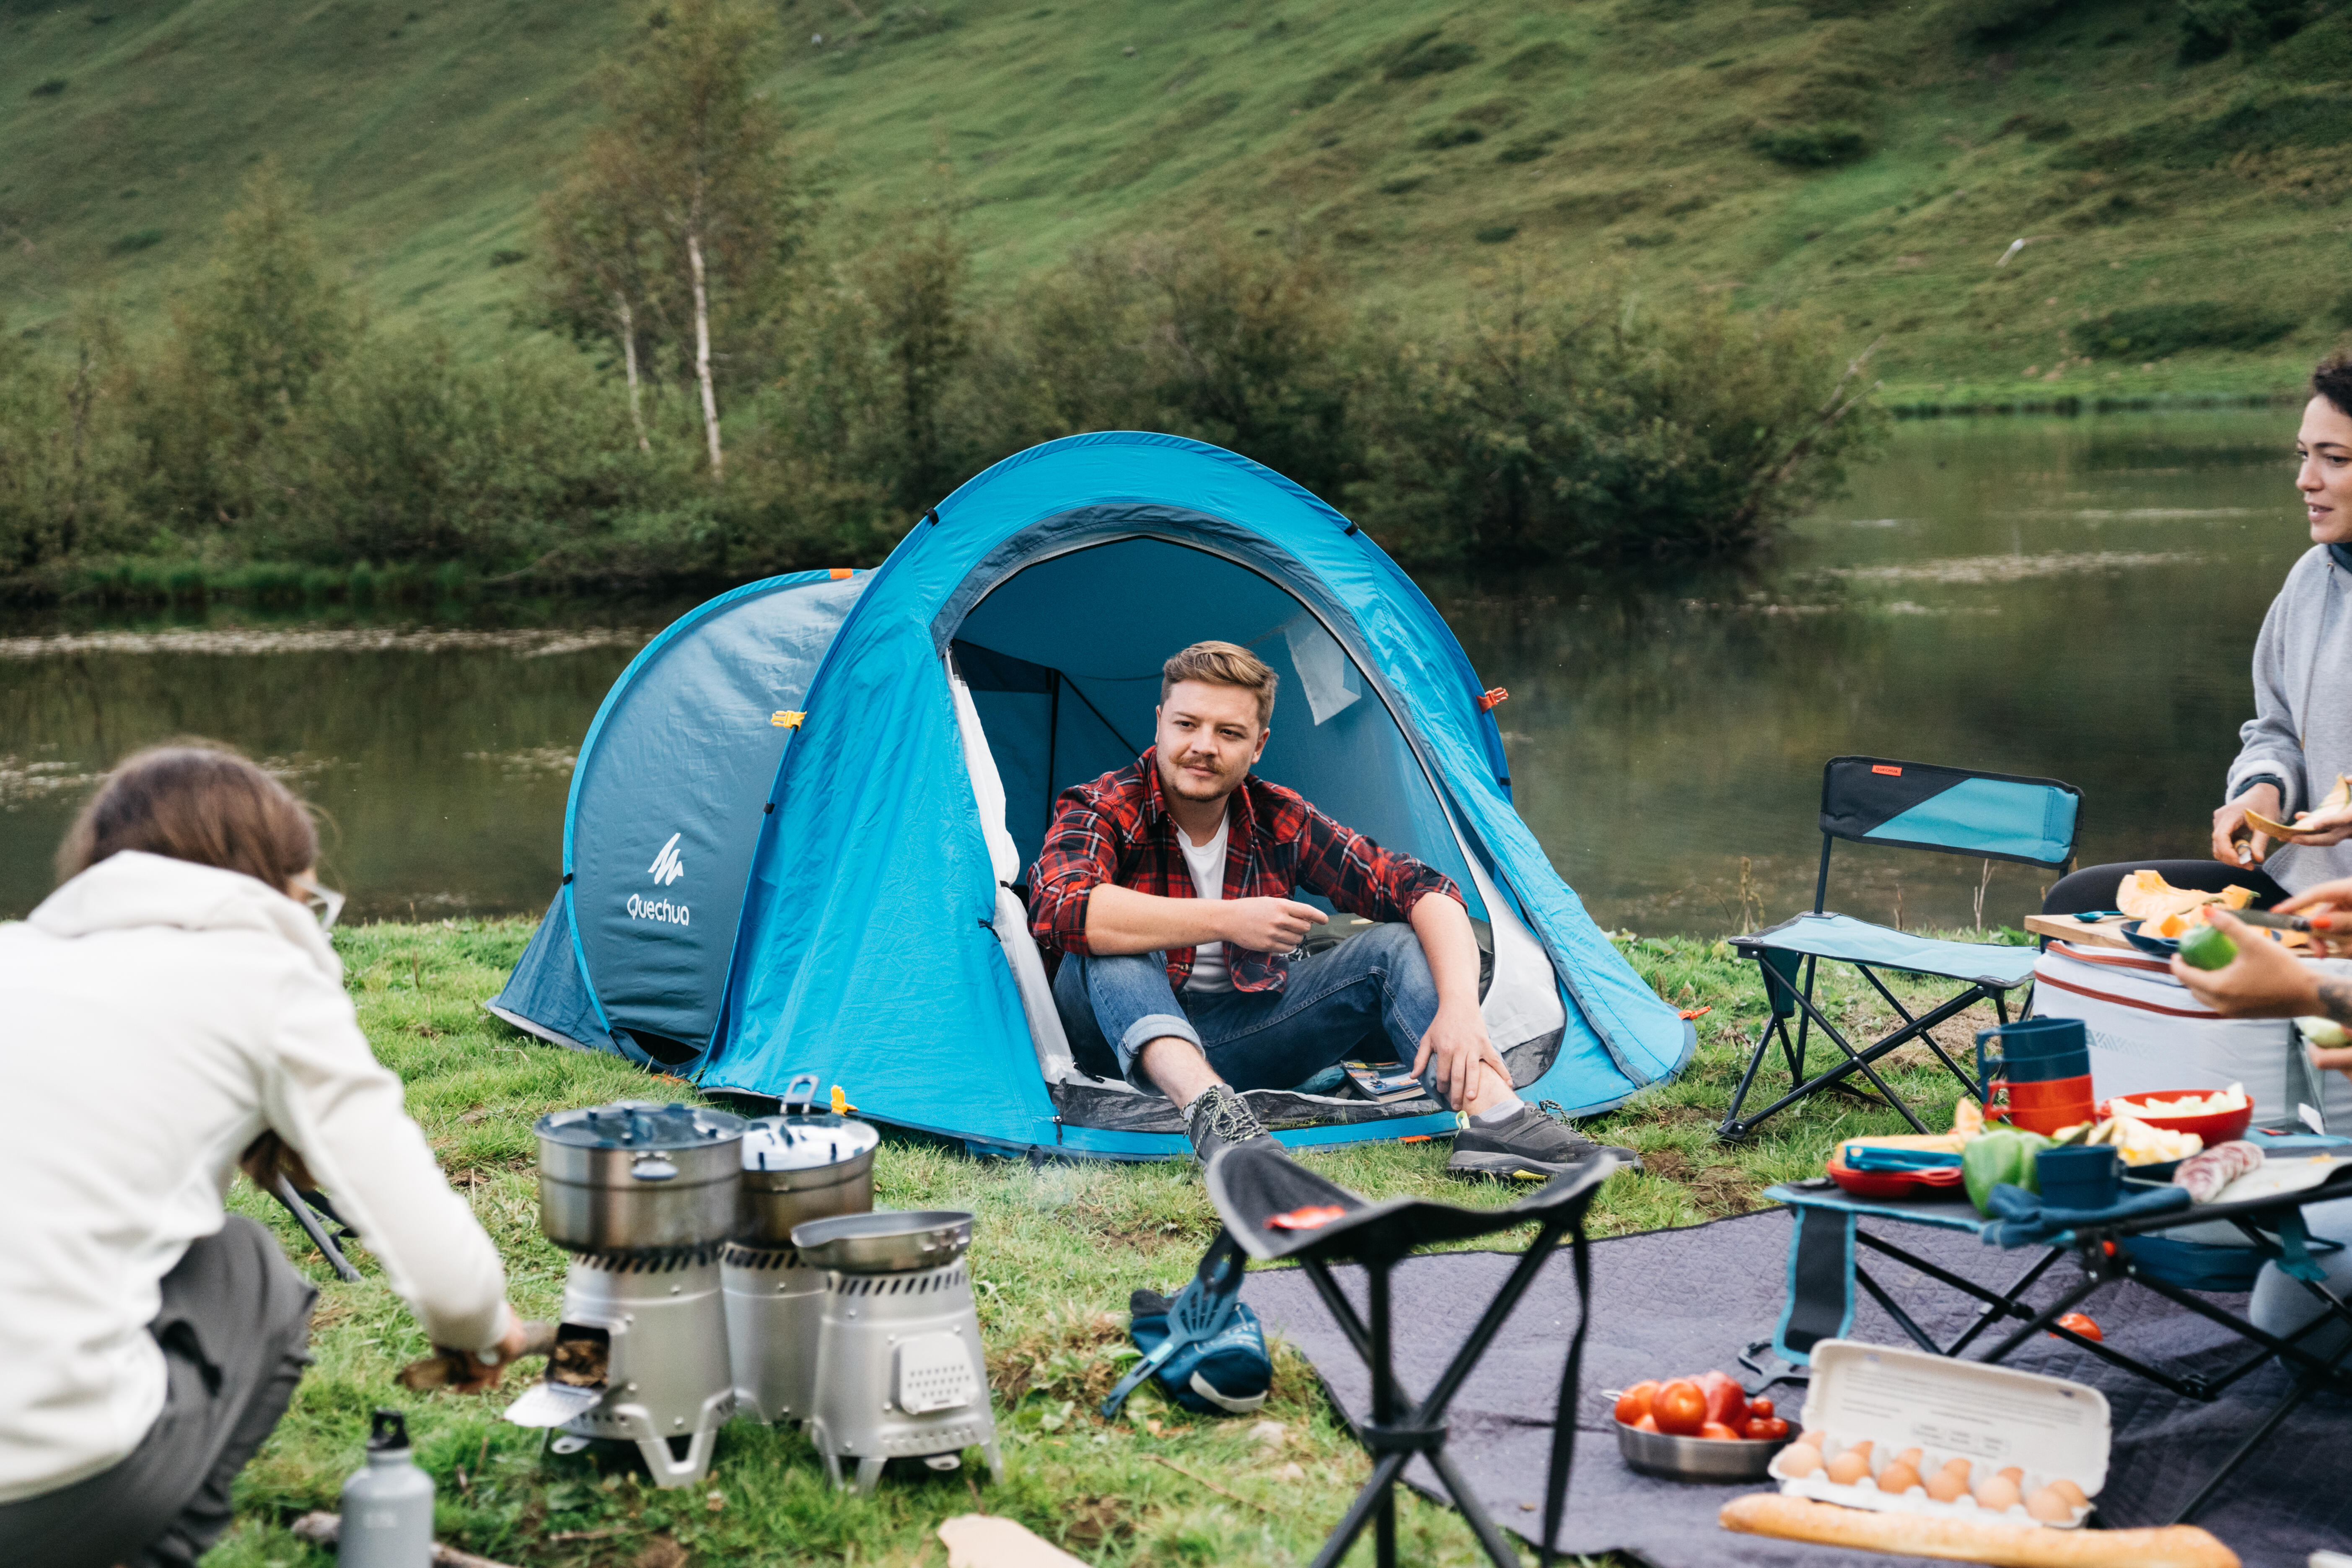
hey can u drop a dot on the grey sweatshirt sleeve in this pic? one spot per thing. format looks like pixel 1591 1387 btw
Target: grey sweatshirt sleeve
pixel 2270 744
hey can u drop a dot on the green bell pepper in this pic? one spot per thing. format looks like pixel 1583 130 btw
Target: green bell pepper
pixel 1996 1155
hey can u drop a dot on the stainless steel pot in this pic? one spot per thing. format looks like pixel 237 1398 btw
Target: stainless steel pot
pixel 802 1168
pixel 638 1175
pixel 1696 1458
pixel 890 1242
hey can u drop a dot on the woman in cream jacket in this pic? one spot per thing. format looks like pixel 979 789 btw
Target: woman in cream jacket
pixel 172 1007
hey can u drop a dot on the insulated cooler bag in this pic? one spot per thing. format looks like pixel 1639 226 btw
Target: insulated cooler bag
pixel 2148 1032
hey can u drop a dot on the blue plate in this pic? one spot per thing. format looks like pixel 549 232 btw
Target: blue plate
pixel 2162 946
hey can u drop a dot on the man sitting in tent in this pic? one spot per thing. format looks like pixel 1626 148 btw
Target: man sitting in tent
pixel 1165 887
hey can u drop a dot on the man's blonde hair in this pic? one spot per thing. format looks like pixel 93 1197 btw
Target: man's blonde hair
pixel 1223 664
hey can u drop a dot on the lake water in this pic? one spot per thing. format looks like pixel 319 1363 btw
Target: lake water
pixel 2071 598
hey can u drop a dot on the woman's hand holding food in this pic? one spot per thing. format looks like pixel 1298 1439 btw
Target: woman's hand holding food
pixel 2327 898
pixel 2231 821
pixel 2265 981
pixel 479 1372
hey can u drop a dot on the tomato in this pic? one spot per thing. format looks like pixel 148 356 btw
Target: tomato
pixel 1718 1432
pixel 1762 1407
pixel 1646 1424
pixel 1634 1402
pixel 1766 1428
pixel 2082 1324
pixel 1679 1407
pixel 1727 1402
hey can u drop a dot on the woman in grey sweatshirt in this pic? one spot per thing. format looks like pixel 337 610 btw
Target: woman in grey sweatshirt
pixel 2299 740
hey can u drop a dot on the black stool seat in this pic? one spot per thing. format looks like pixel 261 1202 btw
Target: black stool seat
pixel 1279 1210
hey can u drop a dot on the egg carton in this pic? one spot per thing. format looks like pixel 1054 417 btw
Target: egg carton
pixel 1995 1417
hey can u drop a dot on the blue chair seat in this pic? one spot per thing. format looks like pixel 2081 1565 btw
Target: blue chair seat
pixel 1844 940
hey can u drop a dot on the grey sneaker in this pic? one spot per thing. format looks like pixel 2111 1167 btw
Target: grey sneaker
pixel 1219 1118
pixel 1529 1145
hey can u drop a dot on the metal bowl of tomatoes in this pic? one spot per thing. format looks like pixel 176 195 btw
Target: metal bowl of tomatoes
pixel 1698 1429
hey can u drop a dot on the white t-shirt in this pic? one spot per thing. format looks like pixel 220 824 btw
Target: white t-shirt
pixel 1207 863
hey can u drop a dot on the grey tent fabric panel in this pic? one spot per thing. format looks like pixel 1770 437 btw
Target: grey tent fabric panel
pixel 546 989
pixel 670 801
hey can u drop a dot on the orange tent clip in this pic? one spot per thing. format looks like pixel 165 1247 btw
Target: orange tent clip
pixel 841 572
pixel 1492 699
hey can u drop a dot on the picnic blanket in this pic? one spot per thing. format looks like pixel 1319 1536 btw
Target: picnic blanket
pixel 1674 1301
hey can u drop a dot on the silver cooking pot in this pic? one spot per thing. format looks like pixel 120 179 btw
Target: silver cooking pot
pixel 890 1242
pixel 800 1168
pixel 638 1175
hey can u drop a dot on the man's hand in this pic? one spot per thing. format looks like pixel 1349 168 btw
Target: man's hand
pixel 2231 820
pixel 1456 1038
pixel 479 1374
pixel 2265 981
pixel 1268 925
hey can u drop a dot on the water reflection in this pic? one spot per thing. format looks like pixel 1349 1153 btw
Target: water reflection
pixel 2071 598
pixel 2074 599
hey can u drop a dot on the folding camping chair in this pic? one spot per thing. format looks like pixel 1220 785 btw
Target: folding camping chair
pixel 1910 806
pixel 1276 1209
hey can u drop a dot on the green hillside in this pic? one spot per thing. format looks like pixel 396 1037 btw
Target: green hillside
pixel 1661 140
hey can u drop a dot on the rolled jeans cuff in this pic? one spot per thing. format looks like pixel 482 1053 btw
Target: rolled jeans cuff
pixel 1150 1027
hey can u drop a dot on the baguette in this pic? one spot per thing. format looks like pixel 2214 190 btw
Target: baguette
pixel 1971 1541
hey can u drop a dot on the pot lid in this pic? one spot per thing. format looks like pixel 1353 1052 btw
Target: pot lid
pixel 639 1125
pixel 804 1142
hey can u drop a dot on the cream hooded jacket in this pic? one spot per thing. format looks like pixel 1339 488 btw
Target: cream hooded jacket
pixel 155 1016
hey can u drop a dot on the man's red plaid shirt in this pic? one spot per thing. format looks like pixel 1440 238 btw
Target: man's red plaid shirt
pixel 1118 830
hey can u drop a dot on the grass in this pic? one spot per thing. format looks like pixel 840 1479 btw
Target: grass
pixel 1058 1247
pixel 1873 160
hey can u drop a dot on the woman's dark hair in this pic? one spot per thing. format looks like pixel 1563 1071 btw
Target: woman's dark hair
pixel 2333 381
pixel 192 800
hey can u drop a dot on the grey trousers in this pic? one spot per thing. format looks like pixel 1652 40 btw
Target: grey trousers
pixel 235 1330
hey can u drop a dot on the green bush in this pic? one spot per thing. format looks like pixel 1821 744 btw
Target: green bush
pixel 1563 426
pixel 1810 146
pixel 2155 332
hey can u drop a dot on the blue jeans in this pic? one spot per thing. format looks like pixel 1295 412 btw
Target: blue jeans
pixel 1373 996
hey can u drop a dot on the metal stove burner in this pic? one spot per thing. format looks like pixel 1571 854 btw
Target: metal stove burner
pixel 900 1372
pixel 775 1308
pixel 649 1336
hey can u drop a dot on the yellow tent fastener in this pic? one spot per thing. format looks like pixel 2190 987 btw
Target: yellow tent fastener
pixel 841 1106
pixel 785 719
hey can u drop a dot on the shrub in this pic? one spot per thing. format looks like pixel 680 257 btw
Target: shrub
pixel 1557 427
pixel 2153 332
pixel 1810 146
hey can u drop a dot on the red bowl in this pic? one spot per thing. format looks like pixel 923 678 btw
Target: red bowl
pixel 2217 1128
pixel 1892 1184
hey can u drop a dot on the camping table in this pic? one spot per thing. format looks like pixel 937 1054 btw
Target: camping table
pixel 1824 1266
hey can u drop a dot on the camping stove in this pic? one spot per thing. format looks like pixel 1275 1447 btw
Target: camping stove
pixel 643 1196
pixel 900 1372
pixel 660 1325
pixel 797 1168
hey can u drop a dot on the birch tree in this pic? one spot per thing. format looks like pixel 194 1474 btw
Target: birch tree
pixel 670 237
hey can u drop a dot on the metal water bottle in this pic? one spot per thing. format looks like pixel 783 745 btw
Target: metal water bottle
pixel 388 1506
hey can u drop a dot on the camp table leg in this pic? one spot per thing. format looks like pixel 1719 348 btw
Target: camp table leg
pixel 2008 1305
pixel 2004 1304
pixel 2296 1395
pixel 2285 1350
pixel 1902 1319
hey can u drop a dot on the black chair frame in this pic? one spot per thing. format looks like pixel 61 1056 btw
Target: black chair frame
pixel 1377 1237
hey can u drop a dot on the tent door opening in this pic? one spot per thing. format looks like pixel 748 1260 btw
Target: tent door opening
pixel 1055 672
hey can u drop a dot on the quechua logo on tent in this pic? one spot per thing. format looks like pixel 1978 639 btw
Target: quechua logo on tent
pixel 669 866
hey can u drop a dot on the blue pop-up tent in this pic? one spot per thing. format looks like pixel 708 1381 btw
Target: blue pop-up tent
pixel 800 823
